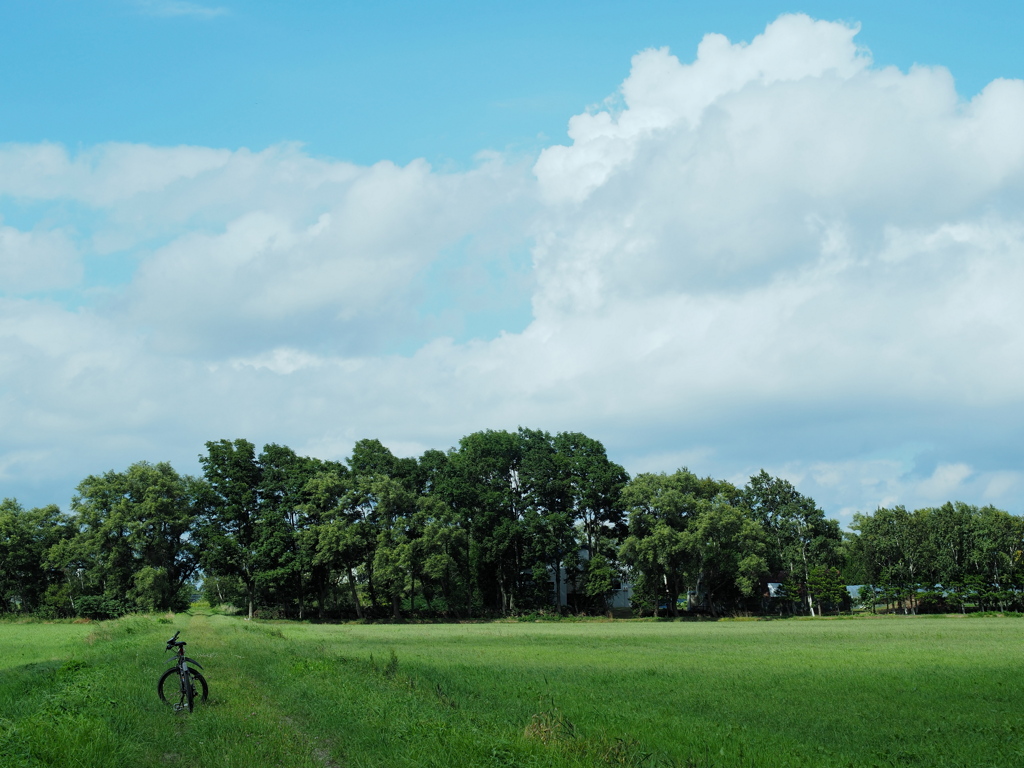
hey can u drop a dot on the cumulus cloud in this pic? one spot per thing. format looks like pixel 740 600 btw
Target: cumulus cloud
pixel 339 266
pixel 779 237
pixel 778 254
pixel 37 261
pixel 749 171
pixel 242 251
pixel 102 176
pixel 661 94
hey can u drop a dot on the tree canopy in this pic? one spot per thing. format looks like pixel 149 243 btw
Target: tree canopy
pixel 506 522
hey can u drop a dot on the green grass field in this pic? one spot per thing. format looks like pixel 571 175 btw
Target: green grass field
pixel 853 692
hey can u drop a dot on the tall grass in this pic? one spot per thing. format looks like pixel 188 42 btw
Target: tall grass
pixel 32 642
pixel 866 692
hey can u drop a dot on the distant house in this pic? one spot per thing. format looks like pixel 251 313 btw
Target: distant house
pixel 621 596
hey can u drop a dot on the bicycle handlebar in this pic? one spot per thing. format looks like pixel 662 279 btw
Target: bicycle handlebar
pixel 174 641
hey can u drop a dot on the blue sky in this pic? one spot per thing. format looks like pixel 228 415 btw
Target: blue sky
pixel 727 236
pixel 400 80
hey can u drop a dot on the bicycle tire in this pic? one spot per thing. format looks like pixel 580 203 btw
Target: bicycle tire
pixel 202 691
pixel 170 692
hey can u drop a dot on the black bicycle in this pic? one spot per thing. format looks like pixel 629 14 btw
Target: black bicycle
pixel 181 680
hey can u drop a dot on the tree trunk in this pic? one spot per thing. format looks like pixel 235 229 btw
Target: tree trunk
pixel 558 586
pixel 355 594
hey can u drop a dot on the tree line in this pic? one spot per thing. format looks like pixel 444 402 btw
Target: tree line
pixel 940 559
pixel 503 524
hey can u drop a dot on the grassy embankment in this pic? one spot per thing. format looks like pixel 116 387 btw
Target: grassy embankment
pixel 865 692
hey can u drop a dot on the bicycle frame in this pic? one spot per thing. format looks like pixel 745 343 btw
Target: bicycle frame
pixel 179 663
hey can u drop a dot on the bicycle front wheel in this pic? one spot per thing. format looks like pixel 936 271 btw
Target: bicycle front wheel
pixel 170 689
pixel 197 689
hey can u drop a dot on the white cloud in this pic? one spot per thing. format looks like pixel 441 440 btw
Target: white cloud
pixel 339 263
pixel 102 176
pixel 281 361
pixel 945 481
pixel 890 482
pixel 661 94
pixel 777 255
pixel 792 236
pixel 37 261
pixel 240 251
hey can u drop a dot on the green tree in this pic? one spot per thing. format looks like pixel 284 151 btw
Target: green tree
pixel 951 529
pixel 26 536
pixel 443 554
pixel 999 554
pixel 725 551
pixel 826 586
pixel 135 535
pixel 394 508
pixel 283 520
pixel 798 533
pixel 344 538
pixel 593 492
pixel 549 517
pixel 258 530
pixel 231 534
pixel 321 502
pixel 896 549
pixel 658 550
pixel 482 484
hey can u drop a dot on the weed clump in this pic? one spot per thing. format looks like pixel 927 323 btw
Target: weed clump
pixel 444 698
pixel 391 668
pixel 620 752
pixel 251 626
pixel 119 629
pixel 549 726
pixel 553 729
